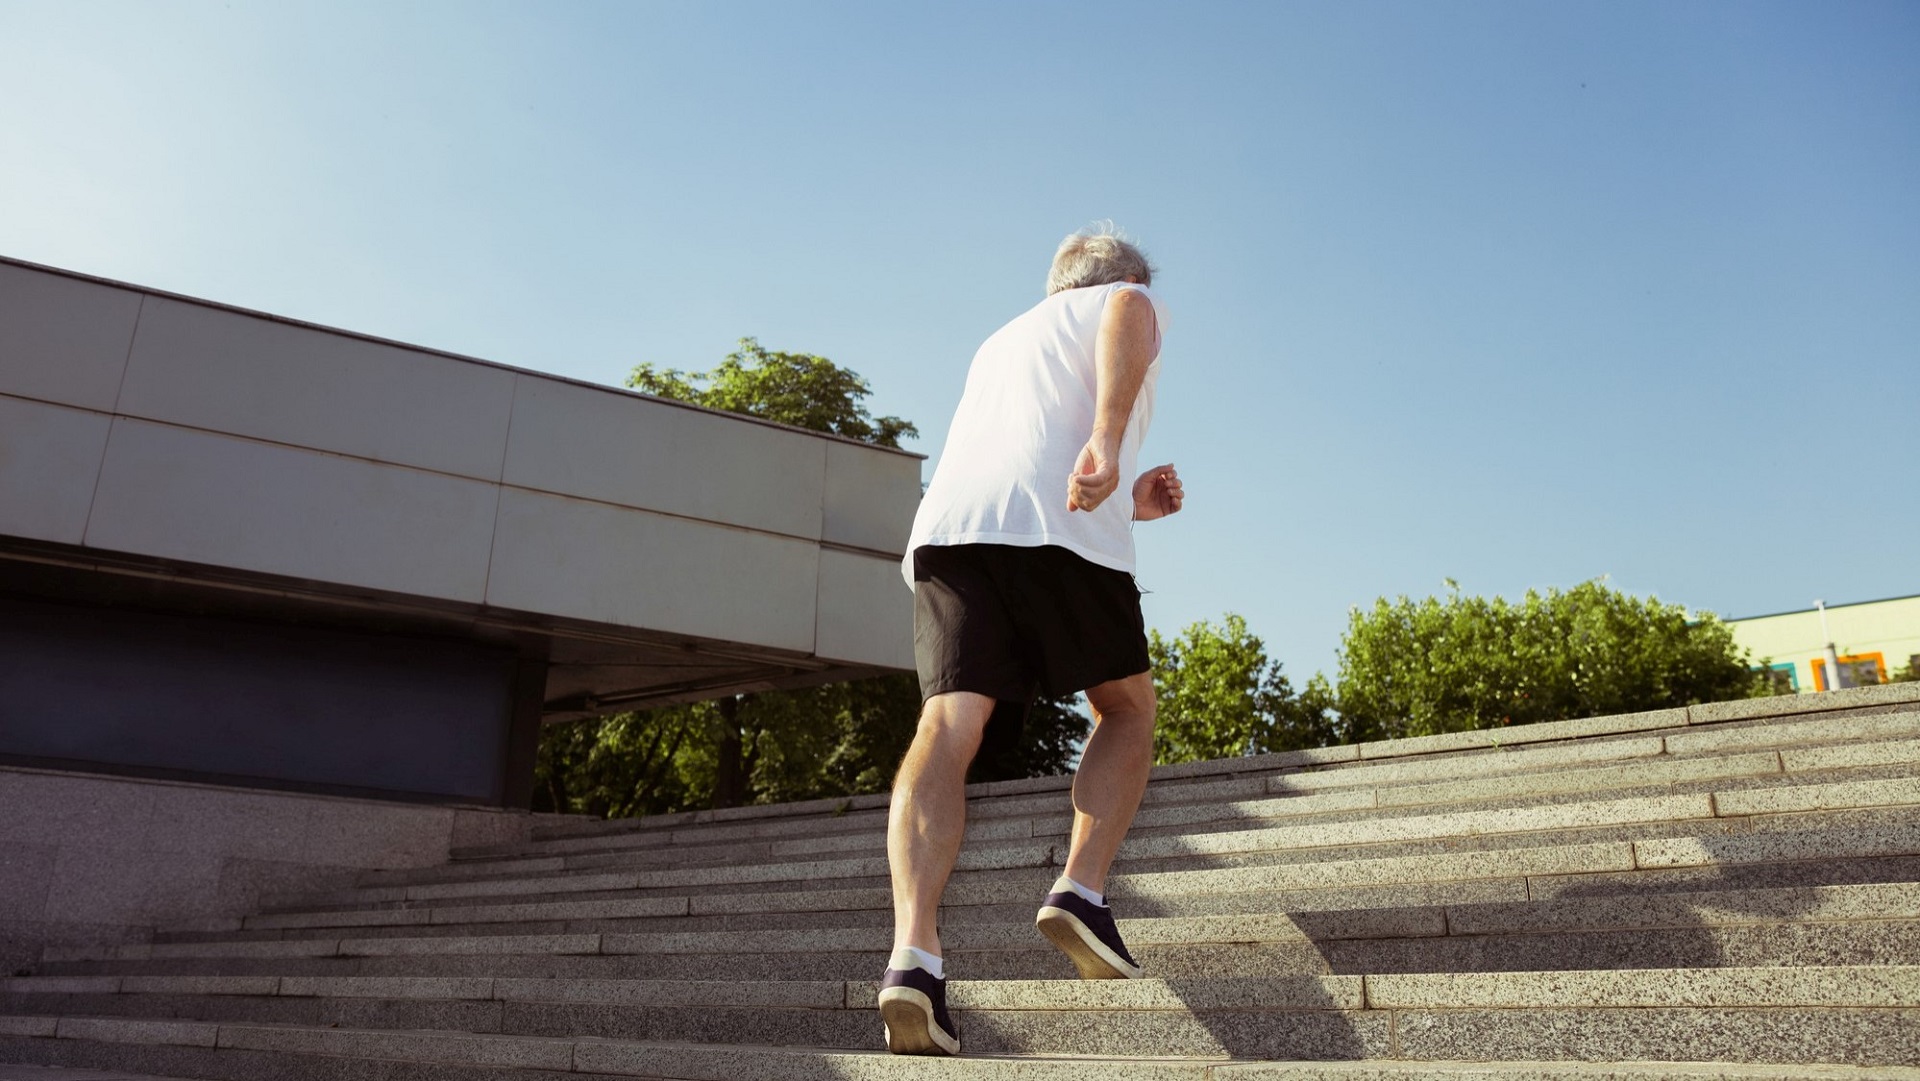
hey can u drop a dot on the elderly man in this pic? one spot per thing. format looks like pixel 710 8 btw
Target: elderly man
pixel 1021 559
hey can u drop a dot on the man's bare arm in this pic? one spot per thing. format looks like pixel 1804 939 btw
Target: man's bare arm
pixel 1124 349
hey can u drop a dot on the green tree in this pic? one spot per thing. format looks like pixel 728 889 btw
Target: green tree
pixel 1040 740
pixel 621 766
pixel 1410 668
pixel 1220 697
pixel 800 389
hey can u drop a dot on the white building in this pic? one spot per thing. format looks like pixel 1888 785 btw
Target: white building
pixel 239 549
pixel 1873 639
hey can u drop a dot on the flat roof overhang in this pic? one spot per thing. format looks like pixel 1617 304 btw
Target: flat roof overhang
pixel 162 452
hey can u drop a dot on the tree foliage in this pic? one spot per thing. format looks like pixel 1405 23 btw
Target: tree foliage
pixel 1042 741
pixel 800 389
pixel 843 739
pixel 1220 696
pixel 1410 668
pixel 836 740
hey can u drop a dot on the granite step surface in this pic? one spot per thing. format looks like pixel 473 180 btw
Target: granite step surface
pixel 1260 856
pixel 1773 927
pixel 1566 866
pixel 872 907
pixel 780 1064
pixel 1420 824
pixel 239 1052
pixel 1806 743
pixel 1501 909
pixel 1807 710
pixel 1857 1015
pixel 1736 883
pixel 1648 778
pixel 1814 721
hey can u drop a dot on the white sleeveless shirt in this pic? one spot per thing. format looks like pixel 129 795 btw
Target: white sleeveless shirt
pixel 1026 414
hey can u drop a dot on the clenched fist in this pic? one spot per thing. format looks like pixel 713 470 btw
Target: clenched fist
pixel 1157 493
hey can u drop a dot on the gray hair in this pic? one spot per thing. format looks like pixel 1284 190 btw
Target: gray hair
pixel 1097 255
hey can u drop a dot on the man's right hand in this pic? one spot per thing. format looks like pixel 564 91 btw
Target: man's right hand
pixel 1095 477
pixel 1158 493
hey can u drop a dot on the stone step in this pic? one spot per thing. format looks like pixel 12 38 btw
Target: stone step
pixel 1862 1015
pixel 1502 911
pixel 1788 914
pixel 859 907
pixel 1737 882
pixel 629 834
pixel 1541 816
pixel 1674 817
pixel 872 907
pixel 1854 923
pixel 1570 872
pixel 1431 745
pixel 1780 946
pixel 781 1064
pixel 14 1072
pixel 1741 770
pixel 1653 776
pixel 1651 779
pixel 1829 736
pixel 252 1053
pixel 1825 708
pixel 1863 986
pixel 1870 741
pixel 1021 954
pixel 870 837
pixel 1783 838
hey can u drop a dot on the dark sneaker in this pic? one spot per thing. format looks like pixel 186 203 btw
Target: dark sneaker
pixel 1085 932
pixel 913 1003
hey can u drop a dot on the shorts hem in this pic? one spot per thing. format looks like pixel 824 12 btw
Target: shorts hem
pixel 1048 692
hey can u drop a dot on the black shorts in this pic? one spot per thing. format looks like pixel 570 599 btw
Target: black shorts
pixel 1014 623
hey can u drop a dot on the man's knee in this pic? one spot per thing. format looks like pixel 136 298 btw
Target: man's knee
pixel 956 715
pixel 1132 697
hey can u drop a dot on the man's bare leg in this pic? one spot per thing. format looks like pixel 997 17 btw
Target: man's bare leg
pixel 928 815
pixel 1112 776
pixel 1106 792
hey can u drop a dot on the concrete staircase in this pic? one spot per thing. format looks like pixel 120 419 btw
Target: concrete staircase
pixel 1723 891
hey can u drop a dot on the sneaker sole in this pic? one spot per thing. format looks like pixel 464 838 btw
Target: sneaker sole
pixel 1084 948
pixel 911 1029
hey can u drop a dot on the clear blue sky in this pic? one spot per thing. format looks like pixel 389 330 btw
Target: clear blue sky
pixel 1517 293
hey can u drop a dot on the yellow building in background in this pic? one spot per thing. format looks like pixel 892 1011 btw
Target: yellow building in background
pixel 1874 639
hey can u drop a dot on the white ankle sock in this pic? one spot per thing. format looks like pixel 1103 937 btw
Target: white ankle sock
pixel 1063 884
pixel 907 957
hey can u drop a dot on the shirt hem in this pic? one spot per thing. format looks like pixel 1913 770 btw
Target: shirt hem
pixel 1018 540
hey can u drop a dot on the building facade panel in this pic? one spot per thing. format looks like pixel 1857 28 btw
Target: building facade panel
pixel 866 611
pixel 49 458
pixel 190 495
pixel 633 568
pixel 225 371
pixel 1873 640
pixel 865 494
pixel 622 448
pixel 63 340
